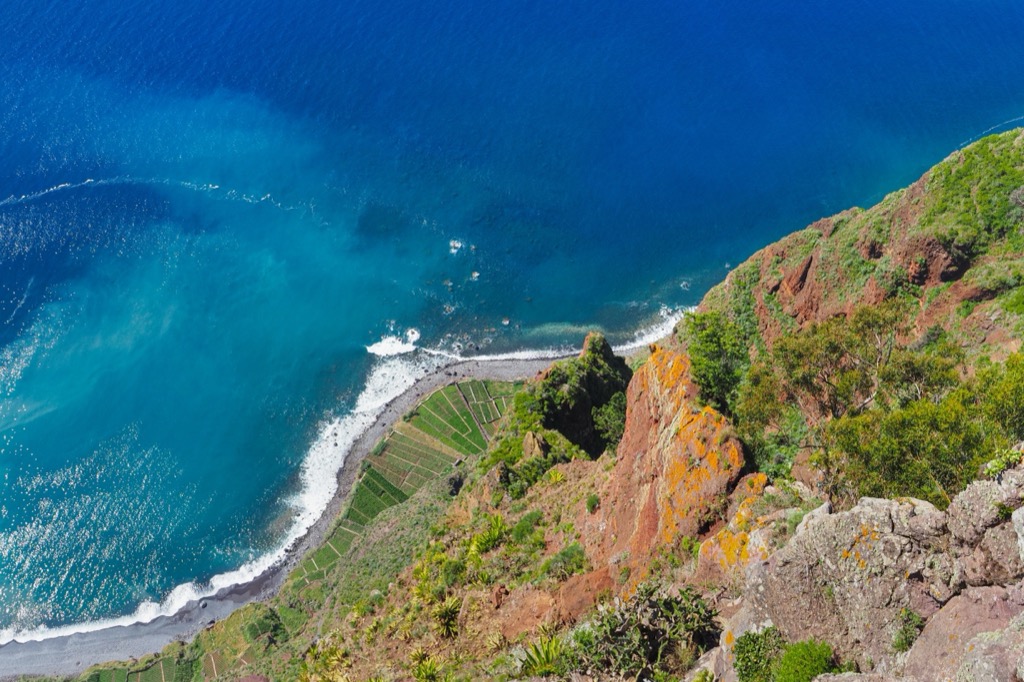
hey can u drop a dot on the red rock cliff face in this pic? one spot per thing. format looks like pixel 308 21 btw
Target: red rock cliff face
pixel 676 464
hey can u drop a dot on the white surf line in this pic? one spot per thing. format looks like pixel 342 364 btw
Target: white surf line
pixel 387 380
pixel 989 130
pixel 24 297
pixel 213 189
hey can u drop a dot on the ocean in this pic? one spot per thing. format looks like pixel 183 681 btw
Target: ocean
pixel 230 232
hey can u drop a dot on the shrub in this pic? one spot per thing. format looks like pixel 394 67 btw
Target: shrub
pixel 452 572
pixel 757 654
pixel 803 661
pixel 593 502
pixel 569 561
pixel 651 632
pixel 1002 390
pixel 265 622
pixel 926 450
pixel 523 530
pixel 909 627
pixel 610 420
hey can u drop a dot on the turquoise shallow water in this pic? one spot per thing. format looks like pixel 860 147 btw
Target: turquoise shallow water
pixel 208 214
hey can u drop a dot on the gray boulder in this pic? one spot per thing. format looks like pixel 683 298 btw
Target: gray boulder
pixel 844 578
pixel 986 542
pixel 946 640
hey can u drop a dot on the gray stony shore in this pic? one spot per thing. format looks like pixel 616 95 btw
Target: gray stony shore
pixel 72 654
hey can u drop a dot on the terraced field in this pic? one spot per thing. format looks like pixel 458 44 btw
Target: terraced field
pixel 162 670
pixel 453 423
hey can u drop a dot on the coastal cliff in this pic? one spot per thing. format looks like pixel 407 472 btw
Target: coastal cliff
pixel 815 474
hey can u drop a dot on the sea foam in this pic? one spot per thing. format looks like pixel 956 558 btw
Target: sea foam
pixel 390 376
pixel 399 364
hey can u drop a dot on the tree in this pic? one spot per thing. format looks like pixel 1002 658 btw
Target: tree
pixel 718 356
pixel 925 449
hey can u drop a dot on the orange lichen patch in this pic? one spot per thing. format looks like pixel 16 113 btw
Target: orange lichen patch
pixel 676 462
pixel 744 517
pixel 864 541
pixel 754 485
pixel 732 548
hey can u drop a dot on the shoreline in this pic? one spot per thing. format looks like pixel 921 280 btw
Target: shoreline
pixel 70 655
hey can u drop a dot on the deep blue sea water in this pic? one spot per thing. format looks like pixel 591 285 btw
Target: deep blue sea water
pixel 209 212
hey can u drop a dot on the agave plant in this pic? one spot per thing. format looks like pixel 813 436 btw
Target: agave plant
pixel 446 617
pixel 490 537
pixel 324 662
pixel 496 642
pixel 427 670
pixel 543 658
pixel 554 476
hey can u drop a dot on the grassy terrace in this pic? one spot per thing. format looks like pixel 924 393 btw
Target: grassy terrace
pixel 453 423
pixel 161 670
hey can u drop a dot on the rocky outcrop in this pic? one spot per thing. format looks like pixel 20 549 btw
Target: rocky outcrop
pixel 569 391
pixel 950 635
pixel 995 656
pixel 907 243
pixel 858 579
pixel 754 530
pixel 676 465
pixel 846 577
pixel 984 539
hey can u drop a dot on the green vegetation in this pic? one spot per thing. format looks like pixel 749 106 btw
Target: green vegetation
pixel 610 420
pixel 446 617
pixel 756 655
pixel 651 632
pixel 909 627
pixel 1003 461
pixel 150 669
pixel 419 450
pixel 719 357
pixel 525 528
pixel 265 623
pixel 973 195
pixel 569 561
pixel 578 410
pixel 803 661
pixel 593 502
pixel 882 418
pixel 544 658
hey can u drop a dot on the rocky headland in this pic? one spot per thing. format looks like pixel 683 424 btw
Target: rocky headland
pixel 816 476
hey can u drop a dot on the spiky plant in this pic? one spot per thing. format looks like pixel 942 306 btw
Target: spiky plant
pixel 547 629
pixel 324 662
pixel 446 617
pixel 496 642
pixel 543 658
pixel 554 476
pixel 491 536
pixel 427 670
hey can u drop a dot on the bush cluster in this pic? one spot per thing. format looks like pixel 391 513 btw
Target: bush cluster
pixel 764 656
pixel 651 634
